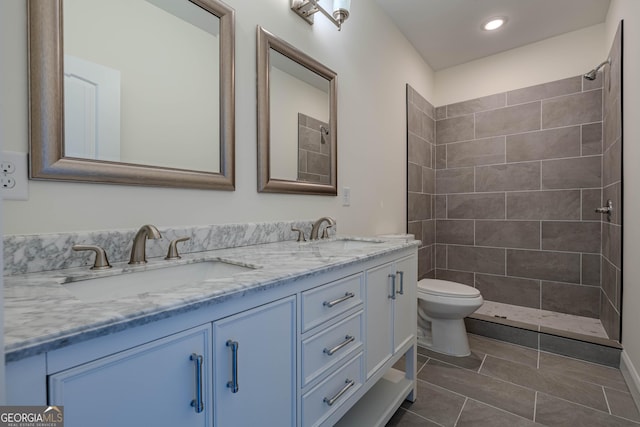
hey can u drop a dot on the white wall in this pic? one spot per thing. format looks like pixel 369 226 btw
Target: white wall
pixel 373 62
pixel 556 58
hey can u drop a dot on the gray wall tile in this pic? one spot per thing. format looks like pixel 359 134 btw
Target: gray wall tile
pixel 544 144
pixel 471 258
pixel 475 206
pixel 418 206
pixel 592 139
pixel 441 113
pixel 612 126
pixel 545 265
pixel 415 228
pixel 428 180
pixel 509 177
pixel 419 151
pixel 508 120
pixel 591 269
pixel 441 256
pixel 440 206
pixel 543 205
pixel 414 178
pixel 505 333
pixel 573 109
pixel 508 234
pixel 612 164
pixel 581 172
pixel 610 319
pixel 509 290
pixel 475 105
pixel 454 181
pixel 612 243
pixel 591 199
pixel 571 299
pixel 571 236
pixel 609 281
pixel 477 152
pixel 454 129
pixel 455 231
pixel 428 232
pixel 614 193
pixel 545 90
pixel 463 277
pixel 441 157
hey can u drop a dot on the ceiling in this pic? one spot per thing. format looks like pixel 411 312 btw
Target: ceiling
pixel 447 32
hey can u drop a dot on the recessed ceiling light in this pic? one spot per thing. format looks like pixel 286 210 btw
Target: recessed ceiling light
pixel 494 23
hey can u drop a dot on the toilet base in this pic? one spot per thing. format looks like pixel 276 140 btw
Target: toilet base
pixel 447 336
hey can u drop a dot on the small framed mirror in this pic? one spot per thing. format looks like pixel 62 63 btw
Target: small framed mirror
pixel 135 92
pixel 297 120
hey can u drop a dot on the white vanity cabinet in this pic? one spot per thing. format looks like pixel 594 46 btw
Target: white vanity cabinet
pixel 161 383
pixel 255 366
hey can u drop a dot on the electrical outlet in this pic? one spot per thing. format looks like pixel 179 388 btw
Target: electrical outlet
pixel 14 180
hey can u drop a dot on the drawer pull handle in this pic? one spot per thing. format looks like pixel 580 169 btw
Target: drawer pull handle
pixel 233 384
pixel 401 274
pixel 393 286
pixel 197 403
pixel 339 300
pixel 330 402
pixel 348 339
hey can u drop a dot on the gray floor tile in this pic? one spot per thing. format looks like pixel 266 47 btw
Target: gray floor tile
pixel 476 414
pixel 503 350
pixel 403 418
pixel 552 412
pixel 420 361
pixel 586 371
pixel 495 392
pixel 622 404
pixel 471 362
pixel 436 404
pixel 547 382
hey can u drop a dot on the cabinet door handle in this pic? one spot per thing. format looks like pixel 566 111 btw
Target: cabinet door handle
pixel 401 274
pixel 393 286
pixel 331 401
pixel 348 339
pixel 197 403
pixel 339 300
pixel 233 384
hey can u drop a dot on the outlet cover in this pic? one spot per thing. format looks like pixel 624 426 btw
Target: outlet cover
pixel 14 176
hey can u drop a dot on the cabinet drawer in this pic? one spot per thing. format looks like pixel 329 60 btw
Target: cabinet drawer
pixel 324 302
pixel 326 348
pixel 324 399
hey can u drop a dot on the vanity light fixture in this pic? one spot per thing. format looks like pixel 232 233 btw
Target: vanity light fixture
pixel 494 23
pixel 307 8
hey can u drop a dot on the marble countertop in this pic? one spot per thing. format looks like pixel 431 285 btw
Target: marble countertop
pixel 41 314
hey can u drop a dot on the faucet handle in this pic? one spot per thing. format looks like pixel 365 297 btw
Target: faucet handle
pixel 101 262
pixel 301 237
pixel 173 248
pixel 325 232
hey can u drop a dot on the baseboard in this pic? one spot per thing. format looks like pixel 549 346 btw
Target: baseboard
pixel 631 376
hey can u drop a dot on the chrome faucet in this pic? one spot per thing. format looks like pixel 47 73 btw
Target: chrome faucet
pixel 138 251
pixel 316 227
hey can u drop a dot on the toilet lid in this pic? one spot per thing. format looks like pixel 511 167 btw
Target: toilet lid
pixel 447 288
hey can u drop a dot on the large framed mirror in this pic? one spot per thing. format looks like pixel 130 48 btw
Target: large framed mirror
pixel 135 92
pixel 297 120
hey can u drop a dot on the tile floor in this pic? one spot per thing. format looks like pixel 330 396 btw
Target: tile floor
pixel 503 384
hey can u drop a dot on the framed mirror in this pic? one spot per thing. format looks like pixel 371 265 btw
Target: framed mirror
pixel 135 92
pixel 297 120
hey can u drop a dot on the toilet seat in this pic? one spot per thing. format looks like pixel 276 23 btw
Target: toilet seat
pixel 445 288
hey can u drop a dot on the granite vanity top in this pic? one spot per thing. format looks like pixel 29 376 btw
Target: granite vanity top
pixel 42 315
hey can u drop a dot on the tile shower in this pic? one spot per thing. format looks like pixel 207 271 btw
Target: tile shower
pixel 502 190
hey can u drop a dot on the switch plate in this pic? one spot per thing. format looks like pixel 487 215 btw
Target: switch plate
pixel 346 196
pixel 14 180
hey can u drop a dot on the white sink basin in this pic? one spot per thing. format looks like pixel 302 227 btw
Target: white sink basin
pixel 345 244
pixel 134 283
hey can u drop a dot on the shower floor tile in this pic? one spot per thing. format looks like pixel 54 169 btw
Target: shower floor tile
pixel 544 318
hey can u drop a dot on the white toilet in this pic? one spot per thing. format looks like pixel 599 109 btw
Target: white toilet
pixel 442 307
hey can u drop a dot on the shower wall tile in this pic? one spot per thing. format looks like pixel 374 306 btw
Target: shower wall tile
pixel 581 172
pixel 428 232
pixel 592 139
pixel 475 105
pixel 441 256
pixel 441 157
pixel 508 177
pixel 508 234
pixel 610 319
pixel 509 290
pixel 545 144
pixel 476 259
pixel 440 206
pixel 508 120
pixel 579 108
pixel 545 265
pixel 419 206
pixel 455 129
pixel 454 181
pixel 544 205
pixel 614 193
pixel 415 228
pixel 441 113
pixel 478 152
pixel 428 180
pixel 593 84
pixel 424 261
pixel 463 277
pixel 591 199
pixel 414 178
pixel 571 299
pixel 611 243
pixel 418 150
pixel 545 90
pixel 591 265
pixel 571 236
pixel 612 126
pixel 609 281
pixel 611 162
pixel 475 206
pixel 458 231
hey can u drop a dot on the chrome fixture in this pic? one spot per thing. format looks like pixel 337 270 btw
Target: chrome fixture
pixel 316 227
pixel 591 75
pixel 172 253
pixel 101 262
pixel 307 8
pixel 138 250
pixel 606 210
pixel 301 237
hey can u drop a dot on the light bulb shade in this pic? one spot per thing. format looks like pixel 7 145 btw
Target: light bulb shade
pixel 341 9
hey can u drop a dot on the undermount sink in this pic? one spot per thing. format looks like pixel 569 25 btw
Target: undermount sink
pixel 345 244
pixel 153 280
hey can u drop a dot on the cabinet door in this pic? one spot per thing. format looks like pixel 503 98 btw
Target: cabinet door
pixel 379 317
pixel 255 366
pixel 151 385
pixel 405 304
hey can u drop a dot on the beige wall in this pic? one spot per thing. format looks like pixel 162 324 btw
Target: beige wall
pixel 373 61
